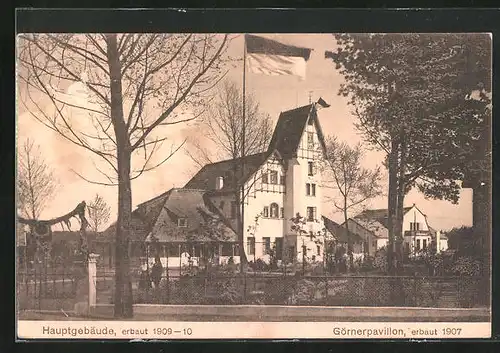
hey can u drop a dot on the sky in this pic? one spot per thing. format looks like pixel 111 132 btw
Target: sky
pixel 274 95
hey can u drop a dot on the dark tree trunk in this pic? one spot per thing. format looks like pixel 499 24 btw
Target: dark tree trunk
pixel 397 286
pixel 123 286
pixel 349 240
pixel 392 205
pixel 398 233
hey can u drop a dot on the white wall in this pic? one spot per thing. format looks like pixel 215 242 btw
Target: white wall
pixel 443 244
pixel 366 235
pixel 381 242
pixel 291 196
pixel 414 215
pixel 261 195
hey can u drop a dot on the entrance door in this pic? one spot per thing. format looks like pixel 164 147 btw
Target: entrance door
pixel 291 254
pixel 279 248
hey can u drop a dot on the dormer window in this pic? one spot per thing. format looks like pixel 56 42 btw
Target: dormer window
pixel 219 183
pixel 182 222
pixel 264 178
pixel 310 140
pixel 274 177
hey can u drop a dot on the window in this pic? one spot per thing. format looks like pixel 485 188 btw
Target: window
pixel 251 246
pixel 311 235
pixel 418 244
pixel 219 183
pixel 414 226
pixel 310 189
pixel 182 222
pixel 274 210
pixel 227 249
pixel 310 140
pixel 172 250
pixel 318 250
pixel 311 214
pixel 266 245
pixel 264 178
pixel 233 209
pixel 221 205
pixel 310 168
pixel 282 212
pixel 265 212
pixel 197 250
pixel 274 177
pixel 282 179
pixel 310 121
pixel 424 244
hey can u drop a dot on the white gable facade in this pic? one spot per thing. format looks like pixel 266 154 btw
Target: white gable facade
pixel 278 191
pixel 418 236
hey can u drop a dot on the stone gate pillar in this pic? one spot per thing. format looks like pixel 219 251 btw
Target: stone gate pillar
pixel 92 272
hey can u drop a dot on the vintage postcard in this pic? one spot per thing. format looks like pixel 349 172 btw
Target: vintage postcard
pixel 238 185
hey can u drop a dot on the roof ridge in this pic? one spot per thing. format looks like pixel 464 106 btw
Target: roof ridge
pixel 235 159
pixel 156 197
pixel 298 108
pixel 189 190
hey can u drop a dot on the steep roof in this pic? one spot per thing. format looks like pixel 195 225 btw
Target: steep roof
pixel 159 217
pixel 289 130
pixel 138 229
pixel 378 215
pixel 203 222
pixel 207 176
pixel 373 226
pixel 339 233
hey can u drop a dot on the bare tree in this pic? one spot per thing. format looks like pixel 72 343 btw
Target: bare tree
pixel 98 213
pixel 222 127
pixel 235 136
pixel 133 87
pixel 36 183
pixel 355 184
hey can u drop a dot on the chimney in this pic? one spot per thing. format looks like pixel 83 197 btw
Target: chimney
pixel 219 183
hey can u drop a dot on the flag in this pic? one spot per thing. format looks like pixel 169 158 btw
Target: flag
pixel 322 103
pixel 269 57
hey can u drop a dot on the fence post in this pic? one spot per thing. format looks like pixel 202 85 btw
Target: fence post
pixel 326 289
pixel 92 272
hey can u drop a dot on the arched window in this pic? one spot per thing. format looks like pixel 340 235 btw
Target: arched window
pixel 274 210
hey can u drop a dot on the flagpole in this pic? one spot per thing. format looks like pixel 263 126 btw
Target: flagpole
pixel 243 132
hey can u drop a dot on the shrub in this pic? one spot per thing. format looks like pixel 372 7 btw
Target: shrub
pixel 278 291
pixel 303 293
pixel 227 291
pixel 367 264
pixel 466 266
pixel 380 259
pixel 260 265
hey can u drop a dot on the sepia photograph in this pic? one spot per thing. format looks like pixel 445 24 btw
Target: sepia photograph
pixel 270 181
